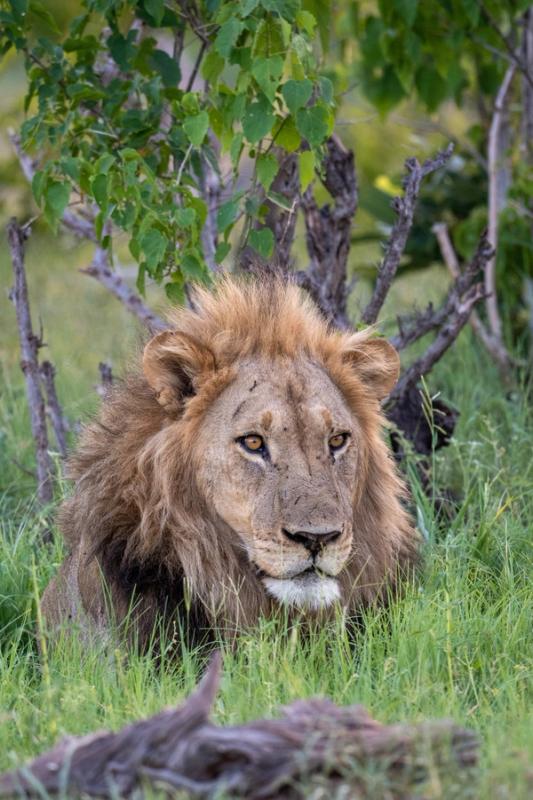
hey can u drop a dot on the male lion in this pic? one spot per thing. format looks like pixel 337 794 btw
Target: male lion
pixel 244 470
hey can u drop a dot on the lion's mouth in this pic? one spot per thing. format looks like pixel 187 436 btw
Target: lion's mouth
pixel 312 569
pixel 310 589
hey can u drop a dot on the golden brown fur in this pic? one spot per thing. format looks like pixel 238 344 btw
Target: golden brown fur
pixel 162 514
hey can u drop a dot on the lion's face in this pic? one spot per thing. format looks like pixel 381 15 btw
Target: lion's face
pixel 279 465
pixel 274 420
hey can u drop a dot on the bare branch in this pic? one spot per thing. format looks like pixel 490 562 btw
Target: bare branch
pixel 444 339
pixel 498 179
pixel 29 347
pixel 211 188
pixel 314 740
pixel 404 208
pixel 196 66
pixel 493 345
pixel 527 87
pixel 431 318
pixel 328 233
pixel 53 407
pixel 100 269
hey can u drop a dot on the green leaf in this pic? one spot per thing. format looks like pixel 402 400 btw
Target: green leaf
pixel 370 44
pixel 167 67
pixel 248 6
pixel 321 10
pixel 39 10
pixel 407 10
pixel 306 21
pixel 185 217
pixel 104 163
pixel 212 66
pixel 285 8
pixel 326 90
pixel 191 267
pixel 156 9
pixel 227 214
pixel 431 86
pixel 472 9
pixel 175 292
pixel 223 250
pixel 268 38
pixel 258 120
pixel 122 49
pixel 306 168
pixel 19 9
pixel 313 124
pixel 262 241
pixel 287 136
pixel 56 196
pixel 384 92
pixel 267 168
pixel 196 127
pixel 154 246
pixel 141 282
pixel 297 94
pixel 38 183
pixel 236 149
pixel 99 190
pixel 267 72
pixel 227 36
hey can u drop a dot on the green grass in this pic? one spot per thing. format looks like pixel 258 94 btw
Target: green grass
pixel 459 644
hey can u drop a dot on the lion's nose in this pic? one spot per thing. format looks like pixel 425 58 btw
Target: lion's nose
pixel 314 542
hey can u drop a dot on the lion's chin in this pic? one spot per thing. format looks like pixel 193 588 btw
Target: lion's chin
pixel 306 591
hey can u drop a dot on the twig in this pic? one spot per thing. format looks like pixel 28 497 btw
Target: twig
pixel 527 88
pixel 211 188
pixel 494 346
pixel 496 199
pixel 444 339
pixel 100 269
pixel 177 47
pixel 315 742
pixel 196 67
pixel 53 407
pixel 404 208
pixel 435 318
pixel 328 233
pixel 514 54
pixel 29 347
pixel 182 165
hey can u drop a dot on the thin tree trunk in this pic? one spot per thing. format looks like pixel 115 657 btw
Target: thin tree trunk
pixel 29 348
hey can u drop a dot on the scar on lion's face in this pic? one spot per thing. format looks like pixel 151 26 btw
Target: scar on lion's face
pixel 283 443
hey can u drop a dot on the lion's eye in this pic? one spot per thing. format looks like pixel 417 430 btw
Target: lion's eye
pixel 253 443
pixel 338 441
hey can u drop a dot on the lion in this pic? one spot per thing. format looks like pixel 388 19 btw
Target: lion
pixel 241 472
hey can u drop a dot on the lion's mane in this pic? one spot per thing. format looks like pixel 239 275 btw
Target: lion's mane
pixel 137 516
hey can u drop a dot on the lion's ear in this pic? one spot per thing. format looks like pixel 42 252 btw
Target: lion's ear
pixel 375 360
pixel 173 364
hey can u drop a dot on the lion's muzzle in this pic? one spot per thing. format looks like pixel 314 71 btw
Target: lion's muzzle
pixel 313 541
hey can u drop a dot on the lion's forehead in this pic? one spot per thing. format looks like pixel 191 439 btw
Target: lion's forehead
pixel 282 395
